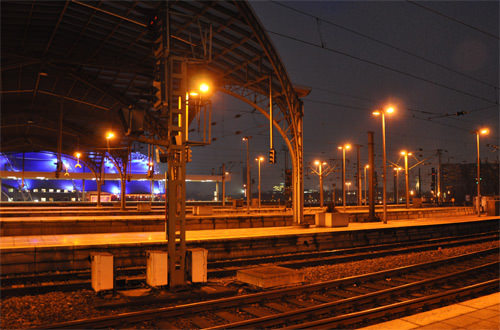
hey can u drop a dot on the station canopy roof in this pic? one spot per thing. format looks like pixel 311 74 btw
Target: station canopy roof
pixel 88 66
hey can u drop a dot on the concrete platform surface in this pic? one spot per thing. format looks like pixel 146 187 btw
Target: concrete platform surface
pixel 481 313
pixel 215 234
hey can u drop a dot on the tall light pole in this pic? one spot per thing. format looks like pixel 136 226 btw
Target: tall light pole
pixel 343 148
pixel 365 168
pixel 396 188
pixel 482 131
pixel 320 174
pixel 407 181
pixel 384 171
pixel 249 190
pixel 259 159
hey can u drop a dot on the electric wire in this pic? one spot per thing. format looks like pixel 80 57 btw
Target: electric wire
pixel 383 66
pixel 453 19
pixel 318 19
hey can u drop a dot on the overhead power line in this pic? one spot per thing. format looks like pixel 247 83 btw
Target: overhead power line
pixel 382 66
pixel 453 19
pixel 318 19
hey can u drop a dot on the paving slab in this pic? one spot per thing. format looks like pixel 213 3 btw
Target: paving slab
pixel 482 313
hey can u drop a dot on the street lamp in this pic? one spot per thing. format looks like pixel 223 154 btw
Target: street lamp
pixel 248 187
pixel 259 159
pixel 396 188
pixel 348 185
pixel 109 136
pixel 481 131
pixel 367 166
pixel 320 174
pixel 343 148
pixel 384 174
pixel 407 184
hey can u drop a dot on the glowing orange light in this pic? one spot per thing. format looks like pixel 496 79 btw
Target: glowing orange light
pixel 484 131
pixel 204 87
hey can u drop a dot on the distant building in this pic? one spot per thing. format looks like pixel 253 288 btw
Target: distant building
pixel 458 181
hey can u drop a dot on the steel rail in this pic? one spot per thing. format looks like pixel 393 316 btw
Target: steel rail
pixel 304 313
pixel 199 307
pixel 81 279
pixel 384 311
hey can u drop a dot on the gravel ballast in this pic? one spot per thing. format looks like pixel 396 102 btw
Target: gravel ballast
pixel 30 311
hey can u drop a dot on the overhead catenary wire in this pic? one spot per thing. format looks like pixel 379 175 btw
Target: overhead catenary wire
pixel 383 66
pixel 419 4
pixel 399 49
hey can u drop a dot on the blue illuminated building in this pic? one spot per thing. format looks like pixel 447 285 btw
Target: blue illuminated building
pixel 45 162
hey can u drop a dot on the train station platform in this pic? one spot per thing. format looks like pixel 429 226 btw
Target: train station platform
pixel 481 313
pixel 34 241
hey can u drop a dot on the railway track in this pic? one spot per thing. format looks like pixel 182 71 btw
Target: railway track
pixel 134 276
pixel 344 303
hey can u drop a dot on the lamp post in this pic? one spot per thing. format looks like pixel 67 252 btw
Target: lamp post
pixel 344 148
pixel 396 188
pixel 260 159
pixel 407 184
pixel 248 187
pixel 384 170
pixel 320 174
pixel 482 131
pixel 365 168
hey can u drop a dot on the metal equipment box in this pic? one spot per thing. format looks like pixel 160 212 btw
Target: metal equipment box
pixel 102 271
pixel 157 268
pixel 197 264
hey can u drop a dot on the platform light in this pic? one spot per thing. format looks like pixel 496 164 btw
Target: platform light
pixel 110 135
pixel 204 87
pixel 382 113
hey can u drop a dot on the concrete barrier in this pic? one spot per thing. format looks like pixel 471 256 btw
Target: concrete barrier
pixel 492 207
pixel 329 219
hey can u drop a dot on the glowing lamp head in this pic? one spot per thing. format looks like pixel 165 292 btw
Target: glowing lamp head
pixel 403 153
pixel 204 88
pixel 78 155
pixel 389 110
pixel 110 135
pixel 367 166
pixel 259 159
pixel 484 131
pixel 377 113
pixel 316 162
pixel 348 146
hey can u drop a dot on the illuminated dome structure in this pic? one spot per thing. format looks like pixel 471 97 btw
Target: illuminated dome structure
pixel 28 176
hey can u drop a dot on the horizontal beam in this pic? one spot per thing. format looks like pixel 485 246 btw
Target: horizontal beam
pixel 108 176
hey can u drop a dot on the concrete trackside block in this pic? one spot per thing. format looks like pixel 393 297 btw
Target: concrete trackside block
pixel 328 219
pixel 270 276
pixel 143 207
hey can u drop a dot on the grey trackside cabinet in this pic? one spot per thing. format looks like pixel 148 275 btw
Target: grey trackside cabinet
pixel 101 271
pixel 157 268
pixel 197 264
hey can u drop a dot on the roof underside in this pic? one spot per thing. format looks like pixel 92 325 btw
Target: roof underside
pixel 80 65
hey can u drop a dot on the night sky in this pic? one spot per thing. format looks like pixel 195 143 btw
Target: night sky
pixel 430 60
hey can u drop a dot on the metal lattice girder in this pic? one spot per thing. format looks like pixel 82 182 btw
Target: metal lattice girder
pixel 97 57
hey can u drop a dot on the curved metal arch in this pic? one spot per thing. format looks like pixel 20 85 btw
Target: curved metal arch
pixel 296 155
